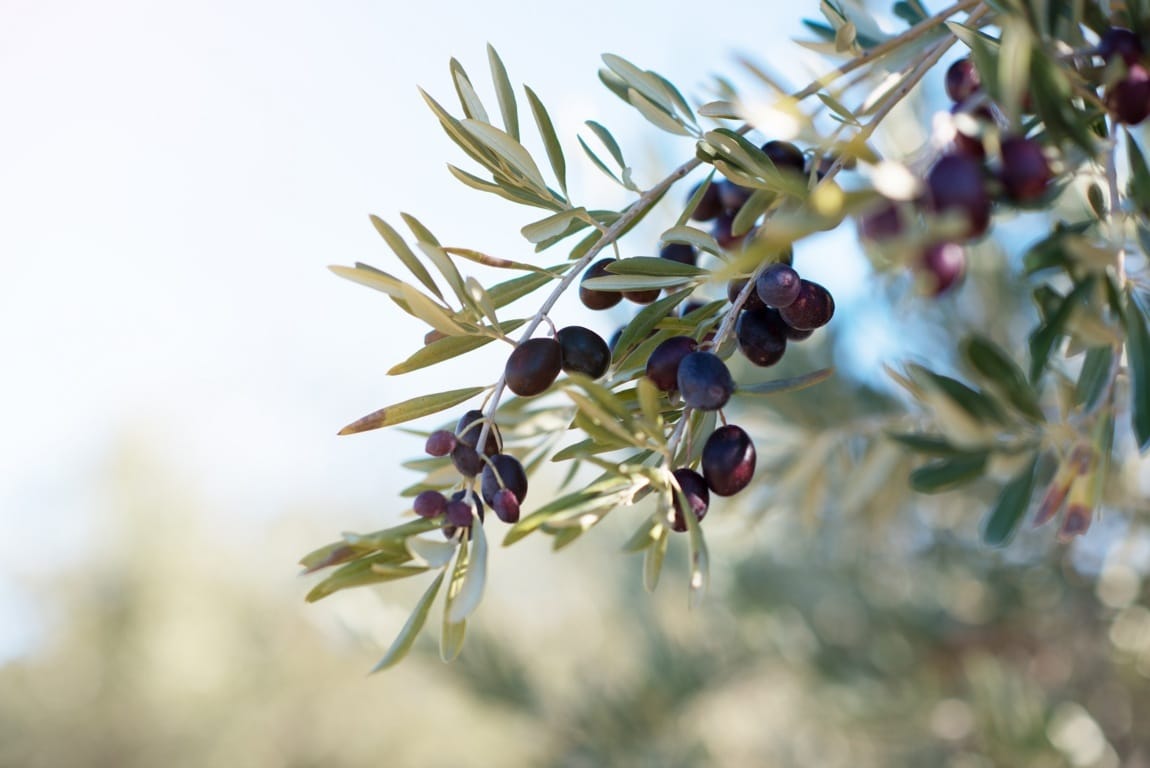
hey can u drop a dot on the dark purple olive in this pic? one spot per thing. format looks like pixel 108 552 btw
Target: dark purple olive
pixel 728 460
pixel 785 156
pixel 1129 99
pixel 721 231
pixel 732 196
pixel 962 80
pixel 663 364
pixel 880 224
pixel 945 264
pixel 641 296
pixel 461 509
pixel 503 471
pixel 761 334
pixel 694 488
pixel 458 514
pixel 966 142
pixel 439 443
pixel 430 504
pixel 794 334
pixel 468 428
pixel 583 351
pixel 735 287
pixel 813 309
pixel 466 460
pixel 506 506
pixel 687 307
pixel 533 366
pixel 593 299
pixel 955 185
pixel 709 206
pixel 778 285
pixel 705 383
pixel 1025 174
pixel 1119 41
pixel 684 253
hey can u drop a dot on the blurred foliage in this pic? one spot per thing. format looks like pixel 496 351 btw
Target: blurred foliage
pixel 852 644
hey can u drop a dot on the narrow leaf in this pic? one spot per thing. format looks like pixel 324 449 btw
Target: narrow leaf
pixel 372 278
pixel 948 473
pixel 1094 376
pixel 514 194
pixel 452 633
pixel 448 348
pixel 431 313
pixel 550 139
pixel 655 115
pixel 595 159
pixel 562 224
pixel 405 254
pixel 1000 370
pixel 639 80
pixel 468 98
pixel 1044 337
pixel 504 92
pixel 431 553
pixel 654 266
pixel 411 629
pixel 634 282
pixel 645 322
pixel 697 547
pixel 470 592
pixel 723 110
pixel 977 404
pixel 682 233
pixel 1010 508
pixel 1138 354
pixel 514 153
pixel 504 293
pixel 411 409
pixel 653 558
pixel 608 141
pixel 494 261
pixel 787 385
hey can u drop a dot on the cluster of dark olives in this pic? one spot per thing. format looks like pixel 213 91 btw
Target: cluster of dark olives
pixel 782 306
pixel 503 481
pixel 727 464
pixel 1128 99
pixel 722 200
pixel 531 368
pixel 534 364
pixel 962 186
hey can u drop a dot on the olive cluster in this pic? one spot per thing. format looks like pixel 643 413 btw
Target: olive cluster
pixel 781 306
pixel 722 201
pixel 962 185
pixel 1128 98
pixel 704 382
pixel 503 481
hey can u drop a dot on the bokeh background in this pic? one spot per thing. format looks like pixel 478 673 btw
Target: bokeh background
pixel 174 178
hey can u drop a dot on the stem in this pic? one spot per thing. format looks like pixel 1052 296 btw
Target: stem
pixel 1115 215
pixel 896 42
pixel 1116 223
pixel 612 233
